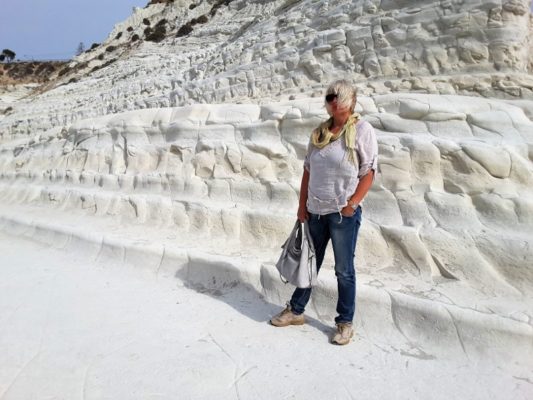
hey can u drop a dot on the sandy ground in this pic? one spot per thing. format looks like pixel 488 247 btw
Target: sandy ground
pixel 75 329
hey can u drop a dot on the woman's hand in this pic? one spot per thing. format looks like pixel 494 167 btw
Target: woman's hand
pixel 348 211
pixel 303 215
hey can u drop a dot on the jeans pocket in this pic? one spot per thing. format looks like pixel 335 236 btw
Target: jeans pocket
pixel 348 216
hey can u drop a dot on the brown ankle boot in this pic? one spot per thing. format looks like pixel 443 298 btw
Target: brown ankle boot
pixel 287 317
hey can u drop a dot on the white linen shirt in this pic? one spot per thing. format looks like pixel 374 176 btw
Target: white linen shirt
pixel 333 178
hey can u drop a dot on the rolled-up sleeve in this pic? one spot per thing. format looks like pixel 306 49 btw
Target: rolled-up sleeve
pixel 367 149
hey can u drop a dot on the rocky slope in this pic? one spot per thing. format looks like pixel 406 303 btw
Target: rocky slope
pixel 25 72
pixel 187 52
pixel 21 79
pixel 152 176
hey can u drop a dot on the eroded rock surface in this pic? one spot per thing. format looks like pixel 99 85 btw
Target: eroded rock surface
pixel 185 52
pixel 137 149
pixel 452 201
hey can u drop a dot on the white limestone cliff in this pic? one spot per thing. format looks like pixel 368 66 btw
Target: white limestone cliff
pixel 261 51
pixel 155 150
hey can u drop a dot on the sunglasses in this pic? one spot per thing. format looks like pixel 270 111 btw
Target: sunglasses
pixel 330 97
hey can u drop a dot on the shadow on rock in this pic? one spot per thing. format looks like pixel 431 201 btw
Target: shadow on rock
pixel 223 281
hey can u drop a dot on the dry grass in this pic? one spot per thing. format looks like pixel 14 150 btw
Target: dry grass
pixel 29 71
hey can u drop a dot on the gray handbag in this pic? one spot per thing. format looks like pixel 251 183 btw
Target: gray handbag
pixel 297 263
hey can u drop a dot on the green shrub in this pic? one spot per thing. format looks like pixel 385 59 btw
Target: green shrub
pixel 45 69
pixel 96 68
pixel 184 30
pixel 217 5
pixel 158 35
pixel 202 19
pixel 63 71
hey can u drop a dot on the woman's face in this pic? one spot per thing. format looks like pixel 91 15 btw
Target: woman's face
pixel 335 107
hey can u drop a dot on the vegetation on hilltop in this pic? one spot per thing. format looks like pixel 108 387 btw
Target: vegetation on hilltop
pixel 7 55
pixel 21 72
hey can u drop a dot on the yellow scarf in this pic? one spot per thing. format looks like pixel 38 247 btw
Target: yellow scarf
pixel 322 136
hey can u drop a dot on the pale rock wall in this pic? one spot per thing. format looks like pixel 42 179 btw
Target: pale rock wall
pixel 263 51
pixel 530 68
pixel 10 94
pixel 450 215
pixel 452 204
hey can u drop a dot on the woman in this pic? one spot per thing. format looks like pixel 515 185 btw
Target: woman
pixel 338 171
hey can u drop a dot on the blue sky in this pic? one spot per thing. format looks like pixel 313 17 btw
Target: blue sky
pixel 52 29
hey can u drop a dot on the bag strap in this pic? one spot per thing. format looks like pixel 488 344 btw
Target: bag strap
pixel 311 249
pixel 297 226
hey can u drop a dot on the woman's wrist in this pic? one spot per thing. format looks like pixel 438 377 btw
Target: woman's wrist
pixel 353 204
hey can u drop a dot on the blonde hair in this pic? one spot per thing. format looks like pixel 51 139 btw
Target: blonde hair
pixel 346 93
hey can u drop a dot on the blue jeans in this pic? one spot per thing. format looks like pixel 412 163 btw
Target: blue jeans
pixel 343 235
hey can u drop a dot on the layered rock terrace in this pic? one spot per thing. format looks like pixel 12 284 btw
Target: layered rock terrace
pixel 138 150
pixel 260 51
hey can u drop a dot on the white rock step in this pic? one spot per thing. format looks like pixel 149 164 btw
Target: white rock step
pixel 440 327
pixel 111 333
